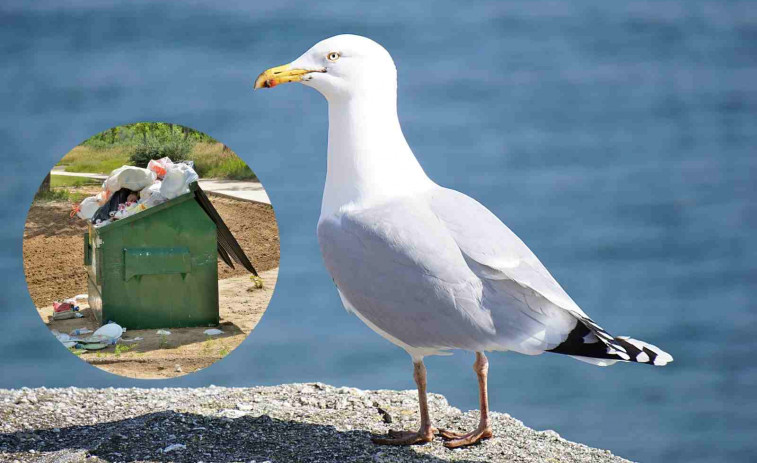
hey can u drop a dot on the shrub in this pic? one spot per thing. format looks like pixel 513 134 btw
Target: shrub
pixel 176 148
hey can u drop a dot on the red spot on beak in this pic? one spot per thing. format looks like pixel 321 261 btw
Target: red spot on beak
pixel 270 83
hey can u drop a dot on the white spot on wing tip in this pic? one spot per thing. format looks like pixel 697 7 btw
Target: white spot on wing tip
pixel 642 357
pixel 663 358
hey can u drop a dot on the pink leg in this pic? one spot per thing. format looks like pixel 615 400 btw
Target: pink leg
pixel 426 432
pixel 484 430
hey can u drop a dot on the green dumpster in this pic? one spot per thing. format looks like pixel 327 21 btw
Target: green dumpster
pixel 158 268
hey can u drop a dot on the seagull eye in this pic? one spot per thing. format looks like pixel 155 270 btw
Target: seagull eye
pixel 333 56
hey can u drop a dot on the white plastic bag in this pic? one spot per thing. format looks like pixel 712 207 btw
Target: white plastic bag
pixel 88 207
pixel 133 178
pixel 145 193
pixel 177 179
pixel 159 166
pixel 107 334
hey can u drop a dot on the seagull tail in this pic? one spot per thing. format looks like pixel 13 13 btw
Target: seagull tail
pixel 589 343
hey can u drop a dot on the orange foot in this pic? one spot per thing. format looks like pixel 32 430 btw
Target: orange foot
pixel 405 437
pixel 455 440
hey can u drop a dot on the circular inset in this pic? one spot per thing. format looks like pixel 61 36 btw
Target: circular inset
pixel 151 250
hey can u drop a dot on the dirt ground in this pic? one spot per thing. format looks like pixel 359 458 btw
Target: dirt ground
pixel 53 262
pixel 185 350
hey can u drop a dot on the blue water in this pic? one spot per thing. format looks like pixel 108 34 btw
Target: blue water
pixel 618 140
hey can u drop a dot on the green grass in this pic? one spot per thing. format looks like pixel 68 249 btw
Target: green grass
pixel 123 348
pixel 60 194
pixel 52 195
pixel 210 161
pixel 58 181
pixel 95 161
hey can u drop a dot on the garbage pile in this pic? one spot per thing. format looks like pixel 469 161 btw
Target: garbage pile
pixel 129 190
pixel 105 336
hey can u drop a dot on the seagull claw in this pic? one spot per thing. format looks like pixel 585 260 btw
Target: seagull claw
pixel 455 440
pixel 405 437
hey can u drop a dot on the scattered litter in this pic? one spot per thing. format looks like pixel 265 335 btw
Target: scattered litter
pixel 111 331
pixel 173 447
pixel 80 297
pixel 91 345
pixel 80 331
pixel 213 332
pixel 103 337
pixel 78 315
pixel 163 332
pixel 64 315
pixel 131 339
pixel 63 306
pixel 177 369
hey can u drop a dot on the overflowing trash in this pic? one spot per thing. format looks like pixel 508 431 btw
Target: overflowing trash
pixel 129 190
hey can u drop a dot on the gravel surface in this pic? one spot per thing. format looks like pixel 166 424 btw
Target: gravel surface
pixel 289 423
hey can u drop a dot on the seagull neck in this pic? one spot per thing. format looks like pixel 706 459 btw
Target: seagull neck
pixel 369 160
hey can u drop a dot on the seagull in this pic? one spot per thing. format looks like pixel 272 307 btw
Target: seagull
pixel 426 267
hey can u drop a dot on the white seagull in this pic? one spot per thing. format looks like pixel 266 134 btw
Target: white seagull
pixel 426 267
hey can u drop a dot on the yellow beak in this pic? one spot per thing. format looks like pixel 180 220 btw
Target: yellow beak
pixel 279 75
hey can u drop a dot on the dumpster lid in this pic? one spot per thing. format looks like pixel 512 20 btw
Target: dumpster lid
pixel 228 246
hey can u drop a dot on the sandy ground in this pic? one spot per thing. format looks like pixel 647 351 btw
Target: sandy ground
pixel 185 350
pixel 53 262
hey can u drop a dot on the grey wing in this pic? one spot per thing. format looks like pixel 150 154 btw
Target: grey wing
pixel 403 272
pixel 398 269
pixel 510 270
pixel 492 250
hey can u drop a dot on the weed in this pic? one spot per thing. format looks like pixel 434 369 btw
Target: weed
pixel 52 195
pixel 224 350
pixel 163 342
pixel 257 283
pixel 207 346
pixel 123 348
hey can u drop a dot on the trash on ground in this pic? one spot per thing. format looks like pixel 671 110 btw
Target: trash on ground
pixel 163 332
pixel 132 339
pixel 64 339
pixel 91 345
pixel 107 334
pixel 213 332
pixel 129 190
pixel 80 331
pixel 65 310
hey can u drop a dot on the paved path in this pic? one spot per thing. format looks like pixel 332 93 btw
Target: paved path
pixel 248 191
pixel 244 190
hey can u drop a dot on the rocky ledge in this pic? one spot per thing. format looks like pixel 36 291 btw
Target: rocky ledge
pixel 289 423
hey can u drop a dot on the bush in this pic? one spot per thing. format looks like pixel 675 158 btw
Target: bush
pixel 176 148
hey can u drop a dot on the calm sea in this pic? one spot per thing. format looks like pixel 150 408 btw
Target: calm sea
pixel 617 139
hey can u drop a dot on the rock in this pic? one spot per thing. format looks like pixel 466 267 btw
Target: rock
pixel 309 423
pixel 174 447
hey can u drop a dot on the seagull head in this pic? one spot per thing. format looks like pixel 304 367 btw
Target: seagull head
pixel 342 66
